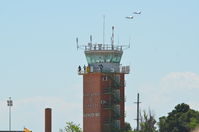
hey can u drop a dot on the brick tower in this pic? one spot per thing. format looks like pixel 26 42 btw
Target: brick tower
pixel 103 87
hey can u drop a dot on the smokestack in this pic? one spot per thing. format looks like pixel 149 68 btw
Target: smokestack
pixel 48 121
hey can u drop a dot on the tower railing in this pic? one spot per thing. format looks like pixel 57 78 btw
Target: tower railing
pixel 112 125
pixel 108 106
pixel 106 47
pixel 88 69
pixel 107 90
pixel 113 89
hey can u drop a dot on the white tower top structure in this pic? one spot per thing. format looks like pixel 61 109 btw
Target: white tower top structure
pixel 104 57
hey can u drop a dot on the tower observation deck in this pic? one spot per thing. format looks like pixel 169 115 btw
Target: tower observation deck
pixel 103 87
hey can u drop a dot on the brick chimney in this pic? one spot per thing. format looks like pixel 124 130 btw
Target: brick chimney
pixel 48 120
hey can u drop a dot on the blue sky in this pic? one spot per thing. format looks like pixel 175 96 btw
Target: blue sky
pixel 38 56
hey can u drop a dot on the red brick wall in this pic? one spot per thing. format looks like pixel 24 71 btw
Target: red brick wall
pixel 91 102
pixel 93 93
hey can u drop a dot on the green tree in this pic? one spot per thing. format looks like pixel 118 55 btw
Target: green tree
pixel 148 122
pixel 71 127
pixel 162 124
pixel 128 127
pixel 181 119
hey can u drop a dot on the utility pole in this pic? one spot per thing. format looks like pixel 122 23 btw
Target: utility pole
pixel 10 104
pixel 138 112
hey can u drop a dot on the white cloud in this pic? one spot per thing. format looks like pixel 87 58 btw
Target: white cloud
pixel 54 102
pixel 181 80
pixel 29 112
pixel 161 97
pixel 172 89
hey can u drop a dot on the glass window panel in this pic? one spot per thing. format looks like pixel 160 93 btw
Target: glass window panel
pixel 104 57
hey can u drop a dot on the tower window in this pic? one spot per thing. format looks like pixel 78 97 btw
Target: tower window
pixel 117 78
pixel 117 124
pixel 104 78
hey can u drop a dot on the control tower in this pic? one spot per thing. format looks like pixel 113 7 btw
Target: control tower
pixel 103 87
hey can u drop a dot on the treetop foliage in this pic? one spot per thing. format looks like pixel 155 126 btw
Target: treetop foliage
pixel 181 119
pixel 71 127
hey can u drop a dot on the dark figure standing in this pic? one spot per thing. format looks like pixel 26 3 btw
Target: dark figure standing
pixel 79 68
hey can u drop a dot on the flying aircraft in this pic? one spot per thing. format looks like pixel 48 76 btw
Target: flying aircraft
pixel 129 17
pixel 137 12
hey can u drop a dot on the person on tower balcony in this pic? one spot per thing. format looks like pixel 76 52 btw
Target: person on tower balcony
pixel 84 69
pixel 79 69
pixel 101 67
pixel 88 68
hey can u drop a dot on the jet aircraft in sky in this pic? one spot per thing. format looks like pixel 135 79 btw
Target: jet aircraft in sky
pixel 129 17
pixel 137 12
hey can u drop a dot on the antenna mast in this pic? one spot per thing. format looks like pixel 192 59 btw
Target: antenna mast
pixel 77 43
pixel 129 42
pixel 103 29
pixel 91 39
pixel 112 38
